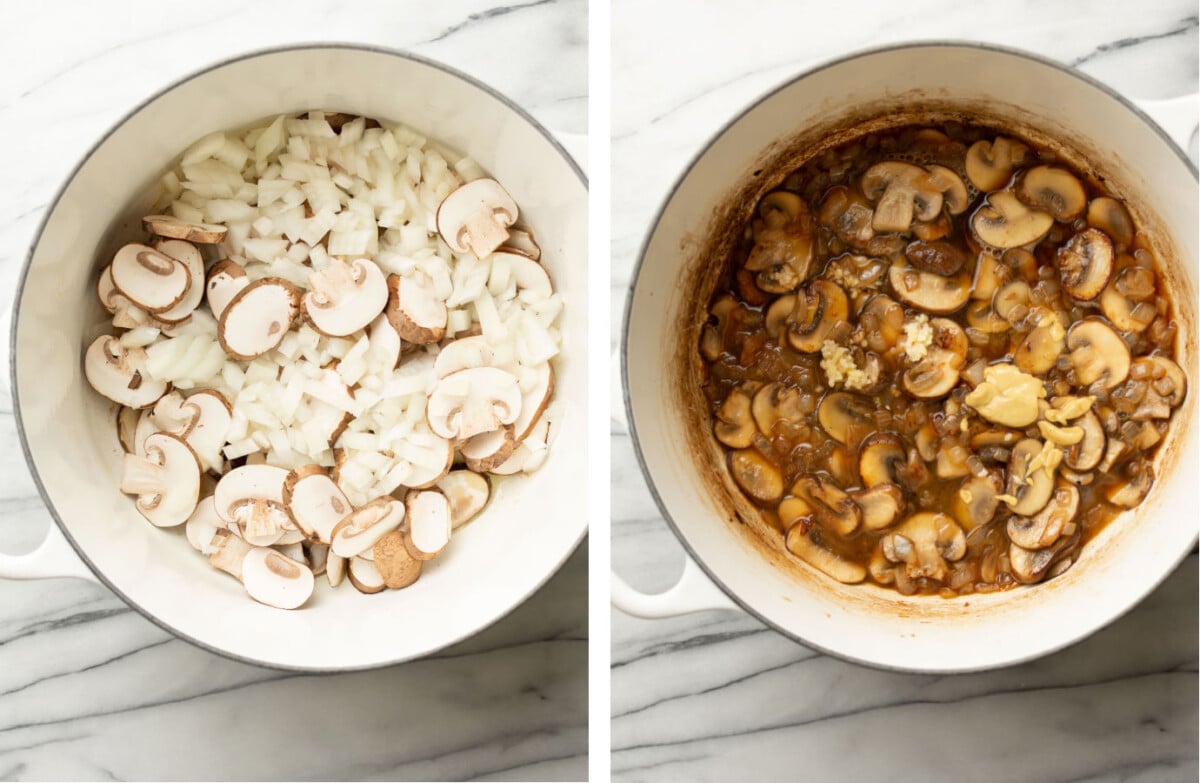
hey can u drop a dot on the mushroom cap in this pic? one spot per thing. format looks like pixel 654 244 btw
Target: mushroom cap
pixel 315 501
pixel 335 569
pixel 127 421
pixel 1052 189
pixel 202 526
pixel 429 523
pixel 225 280
pixel 1129 493
pixel 473 401
pixel 394 562
pixel 365 576
pixel 275 580
pixel 903 191
pixel 230 553
pixel 1031 487
pixel 487 450
pixel 172 227
pixel 1045 527
pixel 166 480
pixel 880 457
pixel 467 492
pixel 119 373
pixel 1004 222
pixel 800 544
pixel 828 503
pixel 940 257
pixel 360 529
pixel 415 311
pixel 423 477
pixel 384 341
pixel 1087 453
pixel 463 354
pixel 475 217
pixel 818 308
pixel 990 164
pixel 953 189
pixel 756 475
pixel 522 241
pixel 1029 566
pixel 1129 313
pixel 150 279
pixel 1097 352
pixel 929 292
pixel 531 278
pixel 772 403
pixel 203 420
pixel 881 505
pixel 186 254
pixel 1111 217
pixel 839 412
pixel 937 373
pixel 257 318
pixel 345 297
pixel 246 484
pixel 976 501
pixel 881 320
pixel 1040 349
pixel 924 542
pixel 1085 264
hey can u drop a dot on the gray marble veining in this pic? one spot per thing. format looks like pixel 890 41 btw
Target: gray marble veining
pixel 89 690
pixel 717 696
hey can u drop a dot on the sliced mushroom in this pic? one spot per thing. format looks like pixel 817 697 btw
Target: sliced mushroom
pixel 777 315
pixel 225 280
pixel 982 316
pixel 1164 376
pixel 335 569
pixel 476 217
pixel 251 497
pixel 119 373
pixel 173 228
pixel 521 240
pixel 829 504
pixel 880 459
pixel 848 215
pixel 783 242
pixel 1054 190
pixel 1028 483
pixel 360 529
pixel 1039 351
pixel 203 420
pixel 924 542
pixel 1085 264
pixel 428 523
pixel 772 403
pixel 365 576
pixel 1045 527
pixel 1030 566
pixel 881 321
pixel 819 308
pixel 953 189
pixel 166 480
pixel 1133 490
pixel 275 580
pixel 902 192
pixel 315 501
pixel 1004 222
pixel 735 425
pixel 258 317
pixel 202 526
pixel 127 421
pixel 531 279
pixel 345 296
pixel 842 412
pixel 940 257
pixel 1127 312
pixel 415 311
pixel 990 274
pixel 489 450
pixel 757 477
pixel 1087 453
pixel 394 562
pixel 473 401
pixel 712 339
pixel 936 374
pixel 187 254
pixel 990 164
pixel 929 292
pixel 833 565
pixel 152 280
pixel 1011 301
pixel 881 505
pixel 467 492
pixel 1111 217
pixel 229 553
pixel 976 501
pixel 1097 353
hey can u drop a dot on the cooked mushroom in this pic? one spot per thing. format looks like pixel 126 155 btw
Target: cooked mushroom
pixel 924 543
pixel 819 308
pixel 119 373
pixel 1127 301
pixel 476 217
pixel 941 258
pixel 929 292
pixel 152 280
pixel 880 459
pixel 848 215
pixel 1097 353
pixel 1029 485
pixel 1030 566
pixel 937 373
pixel 428 523
pixel 365 576
pixel 990 274
pixel 1004 222
pixel 990 164
pixel 187 254
pixel 841 412
pixel 777 315
pixel 902 191
pixel 1165 378
pixel 976 501
pixel 251 497
pixel 415 311
pixel 833 565
pixel 1054 190
pixel 225 280
pixel 880 504
pixel 755 474
pixel 735 425
pixel 1139 477
pixel 275 580
pixel 360 529
pixel 315 501
pixel 952 188
pixel 258 317
pixel 394 562
pixel 1045 527
pixel 772 403
pixel 488 450
pixel 473 401
pixel 467 492
pixel 881 322
pixel 173 228
pixel 1040 349
pixel 1085 263
pixel 345 296
pixel 712 340
pixel 829 504
pixel 982 316
pixel 1111 217
pixel 166 479
pixel 1087 453
pixel 783 242
pixel 1011 301
pixel 952 460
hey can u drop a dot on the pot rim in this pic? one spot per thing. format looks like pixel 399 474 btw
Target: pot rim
pixel 20 290
pixel 641 258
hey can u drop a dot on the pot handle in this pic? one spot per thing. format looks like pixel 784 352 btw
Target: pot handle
pixel 1178 116
pixel 54 557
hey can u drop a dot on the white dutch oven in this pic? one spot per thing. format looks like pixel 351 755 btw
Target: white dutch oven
pixel 67 429
pixel 661 367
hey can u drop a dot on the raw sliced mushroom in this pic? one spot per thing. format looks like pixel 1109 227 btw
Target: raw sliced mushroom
pixel 842 412
pixel 1045 527
pixel 924 542
pixel 880 459
pixel 365 576
pixel 152 280
pixel 225 280
pixel 229 553
pixel 384 341
pixel 488 450
pixel 202 526
pixel 936 374
pixel 1111 217
pixel 166 480
pixel 258 317
pixel 394 562
pixel 1004 222
pixel 1030 484
pixel 1040 349
pixel 1054 190
pixel 187 254
pixel 467 493
pixel 881 505
pixel 990 164
pixel 127 421
pixel 735 426
pixel 773 403
pixel 428 523
pixel 476 217
pixel 119 373
pixel 415 311
pixel 828 503
pixel 173 228
pixel 1087 453
pixel 531 279
pixel 335 569
pixel 755 474
pixel 473 401
pixel 819 308
pixel 345 297
pixel 828 562
pixel 521 240
pixel 317 556
pixel 465 353
pixel 275 580
pixel 929 292
pixel 251 497
pixel 202 420
pixel 364 526
pixel 901 192
pixel 1097 353
pixel 1085 264
pixel 315 501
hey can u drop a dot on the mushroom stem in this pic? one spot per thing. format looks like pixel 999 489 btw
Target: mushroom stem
pixel 142 476
pixel 483 233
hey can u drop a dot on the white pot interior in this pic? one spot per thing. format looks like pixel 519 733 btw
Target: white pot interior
pixel 531 524
pixel 867 623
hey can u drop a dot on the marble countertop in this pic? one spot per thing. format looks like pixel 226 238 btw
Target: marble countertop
pixel 90 690
pixel 717 695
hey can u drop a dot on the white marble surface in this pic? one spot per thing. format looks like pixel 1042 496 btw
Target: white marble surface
pixel 718 696
pixel 89 690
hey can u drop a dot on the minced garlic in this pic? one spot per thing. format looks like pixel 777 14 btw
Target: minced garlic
pixel 838 364
pixel 918 336
pixel 1007 396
